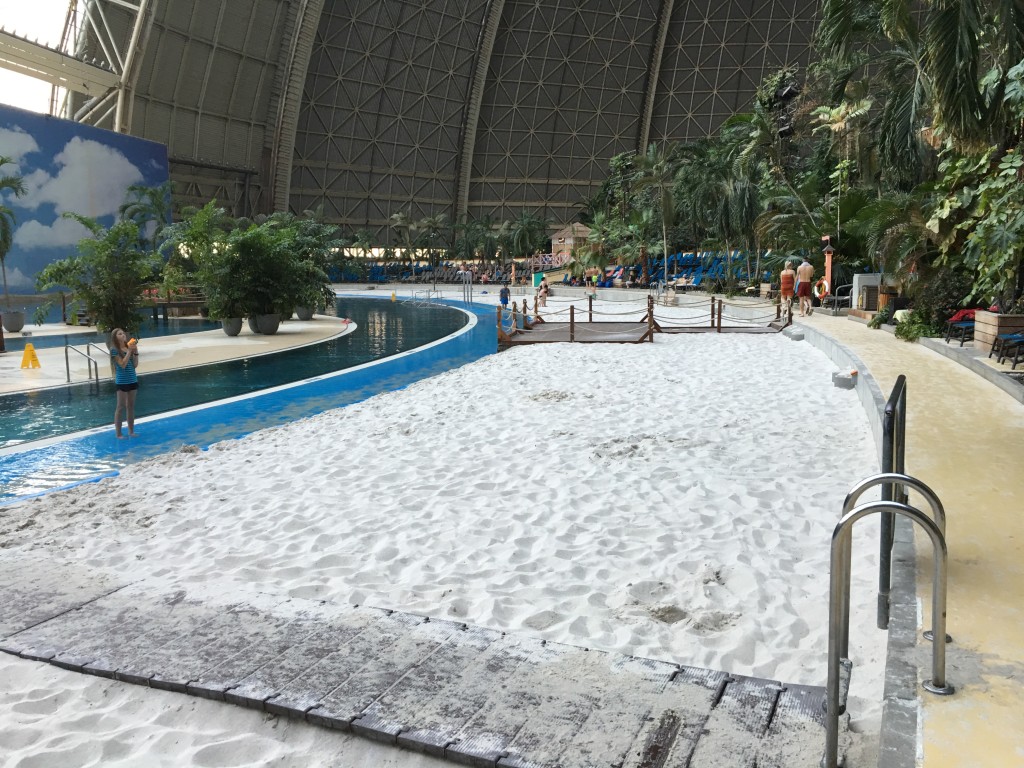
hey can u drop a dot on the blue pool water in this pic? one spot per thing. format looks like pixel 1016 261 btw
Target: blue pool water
pixel 391 329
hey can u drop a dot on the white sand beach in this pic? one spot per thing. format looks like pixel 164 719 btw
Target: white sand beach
pixel 672 500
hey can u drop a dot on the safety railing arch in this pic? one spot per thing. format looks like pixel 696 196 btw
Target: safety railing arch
pixel 839 590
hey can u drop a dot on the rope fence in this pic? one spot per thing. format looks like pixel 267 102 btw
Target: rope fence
pixel 710 313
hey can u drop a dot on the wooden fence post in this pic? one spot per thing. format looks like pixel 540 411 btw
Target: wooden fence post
pixel 719 315
pixel 590 309
pixel 572 322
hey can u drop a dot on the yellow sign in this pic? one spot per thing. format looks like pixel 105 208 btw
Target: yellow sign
pixel 29 359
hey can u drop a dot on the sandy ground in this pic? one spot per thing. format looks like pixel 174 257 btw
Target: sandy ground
pixel 672 500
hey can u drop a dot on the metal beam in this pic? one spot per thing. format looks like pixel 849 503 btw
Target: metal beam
pixel 51 66
pixel 292 79
pixel 485 48
pixel 653 72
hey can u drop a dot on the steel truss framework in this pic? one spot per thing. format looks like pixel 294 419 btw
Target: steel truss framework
pixel 371 107
pixel 389 124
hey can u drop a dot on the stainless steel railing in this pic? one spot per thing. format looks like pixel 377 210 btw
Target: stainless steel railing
pixel 839 589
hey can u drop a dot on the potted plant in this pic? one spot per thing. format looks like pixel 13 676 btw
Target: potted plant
pixel 199 253
pixel 13 320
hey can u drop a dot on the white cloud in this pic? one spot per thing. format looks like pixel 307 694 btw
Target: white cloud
pixel 62 233
pixel 19 282
pixel 15 143
pixel 91 180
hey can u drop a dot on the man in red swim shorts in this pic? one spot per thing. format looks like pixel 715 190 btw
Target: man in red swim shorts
pixel 805 274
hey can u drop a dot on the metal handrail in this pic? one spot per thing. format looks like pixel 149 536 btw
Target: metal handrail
pixel 894 440
pixel 840 566
pixel 91 362
pixel 889 480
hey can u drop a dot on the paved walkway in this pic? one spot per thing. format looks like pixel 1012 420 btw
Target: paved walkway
pixel 471 695
pixel 965 439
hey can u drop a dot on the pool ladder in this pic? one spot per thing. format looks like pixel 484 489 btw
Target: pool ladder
pixel 91 362
pixel 839 592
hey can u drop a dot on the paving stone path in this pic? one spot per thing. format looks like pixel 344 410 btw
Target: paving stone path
pixel 471 695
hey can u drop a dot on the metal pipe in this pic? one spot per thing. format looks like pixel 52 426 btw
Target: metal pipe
pixel 893 441
pixel 840 566
pixel 888 480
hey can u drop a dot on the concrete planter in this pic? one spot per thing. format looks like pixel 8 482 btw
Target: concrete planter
pixel 14 320
pixel 232 326
pixel 988 325
pixel 304 313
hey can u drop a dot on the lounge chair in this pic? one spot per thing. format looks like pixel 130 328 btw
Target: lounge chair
pixel 1004 343
pixel 960 329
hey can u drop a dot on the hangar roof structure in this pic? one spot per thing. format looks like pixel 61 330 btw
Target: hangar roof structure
pixel 370 107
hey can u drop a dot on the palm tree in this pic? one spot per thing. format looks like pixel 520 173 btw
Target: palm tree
pixel 150 209
pixel 431 227
pixel 659 169
pixel 16 186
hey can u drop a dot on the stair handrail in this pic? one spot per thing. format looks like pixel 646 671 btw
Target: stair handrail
pixel 839 578
pixel 90 362
pixel 888 479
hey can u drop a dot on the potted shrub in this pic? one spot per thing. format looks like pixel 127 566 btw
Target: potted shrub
pixel 198 253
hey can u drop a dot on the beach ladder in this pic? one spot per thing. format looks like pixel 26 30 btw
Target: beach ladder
pixel 839 664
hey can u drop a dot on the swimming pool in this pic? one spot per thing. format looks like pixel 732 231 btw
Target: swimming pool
pixel 383 329
pixel 387 328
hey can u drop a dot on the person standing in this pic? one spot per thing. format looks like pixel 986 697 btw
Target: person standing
pixel 504 295
pixel 805 274
pixel 542 292
pixel 787 283
pixel 124 356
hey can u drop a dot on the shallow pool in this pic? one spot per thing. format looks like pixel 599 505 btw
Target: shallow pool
pixel 384 329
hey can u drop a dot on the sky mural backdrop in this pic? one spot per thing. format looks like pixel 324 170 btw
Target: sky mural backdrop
pixel 66 166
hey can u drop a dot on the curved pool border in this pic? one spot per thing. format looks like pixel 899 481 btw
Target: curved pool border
pixel 234 417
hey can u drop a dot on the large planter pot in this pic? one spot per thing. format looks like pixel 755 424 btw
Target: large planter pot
pixel 268 324
pixel 251 321
pixel 232 326
pixel 304 313
pixel 988 325
pixel 14 320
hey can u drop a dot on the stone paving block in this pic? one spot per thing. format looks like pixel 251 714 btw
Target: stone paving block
pixel 306 619
pixel 169 618
pixel 58 638
pixel 270 679
pixel 736 724
pixel 796 735
pixel 677 718
pixel 311 686
pixel 489 733
pixel 177 663
pixel 400 708
pixel 612 728
pixel 439 722
pixel 35 592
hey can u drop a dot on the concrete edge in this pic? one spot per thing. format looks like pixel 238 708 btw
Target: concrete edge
pixel 898 735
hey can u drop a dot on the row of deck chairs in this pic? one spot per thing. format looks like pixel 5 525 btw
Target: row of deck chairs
pixel 1008 346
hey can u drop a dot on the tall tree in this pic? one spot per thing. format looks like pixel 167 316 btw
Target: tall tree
pixel 659 169
pixel 15 185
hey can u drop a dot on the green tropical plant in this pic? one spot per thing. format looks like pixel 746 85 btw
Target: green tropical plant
pixel 109 273
pixel 150 209
pixel 659 169
pixel 16 186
